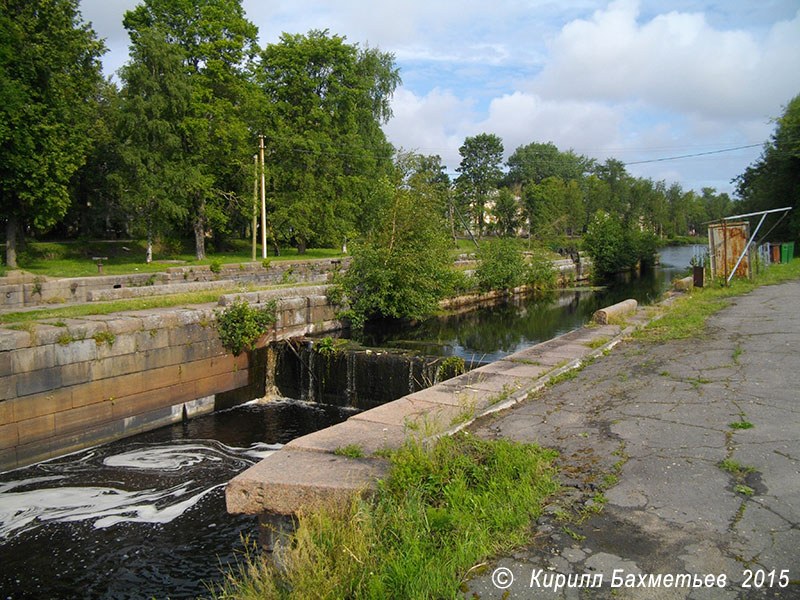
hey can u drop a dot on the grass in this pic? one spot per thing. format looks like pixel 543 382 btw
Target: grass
pixel 741 425
pixel 350 451
pixel 105 308
pixel 687 316
pixel 597 342
pixel 435 519
pixel 74 259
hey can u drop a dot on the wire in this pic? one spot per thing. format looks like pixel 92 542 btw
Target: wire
pixel 654 160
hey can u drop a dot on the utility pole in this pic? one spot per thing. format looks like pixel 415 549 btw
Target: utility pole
pixel 263 202
pixel 255 204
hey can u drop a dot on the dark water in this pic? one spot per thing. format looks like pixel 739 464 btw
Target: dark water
pixel 145 516
pixel 490 333
pixel 141 517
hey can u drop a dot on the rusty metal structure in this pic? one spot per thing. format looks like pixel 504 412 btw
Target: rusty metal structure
pixel 726 243
pixel 727 240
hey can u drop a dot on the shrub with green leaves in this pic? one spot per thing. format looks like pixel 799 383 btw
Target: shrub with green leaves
pixel 451 367
pixel 501 265
pixel 404 267
pixel 240 325
pixel 540 273
pixel 614 248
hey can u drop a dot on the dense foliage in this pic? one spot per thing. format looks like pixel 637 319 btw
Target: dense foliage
pixel 501 265
pixel 240 325
pixel 774 180
pixel 168 155
pixel 404 267
pixel 615 247
pixel 50 71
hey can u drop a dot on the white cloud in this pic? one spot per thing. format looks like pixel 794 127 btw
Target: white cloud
pixel 431 124
pixel 521 118
pixel 676 61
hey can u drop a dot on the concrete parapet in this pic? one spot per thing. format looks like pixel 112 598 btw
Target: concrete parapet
pixel 620 309
pixel 289 479
pixel 306 473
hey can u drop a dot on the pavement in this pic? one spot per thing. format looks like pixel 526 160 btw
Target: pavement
pixel 648 511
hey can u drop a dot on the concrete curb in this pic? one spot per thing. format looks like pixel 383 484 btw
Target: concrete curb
pixel 443 409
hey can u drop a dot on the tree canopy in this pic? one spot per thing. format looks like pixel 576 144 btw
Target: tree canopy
pixel 324 102
pixel 217 43
pixel 50 69
pixel 481 157
pixel 773 181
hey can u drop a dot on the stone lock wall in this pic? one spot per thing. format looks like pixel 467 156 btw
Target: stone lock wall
pixel 24 289
pixel 67 387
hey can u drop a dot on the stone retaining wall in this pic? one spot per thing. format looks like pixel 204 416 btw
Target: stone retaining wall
pixel 70 386
pixel 24 289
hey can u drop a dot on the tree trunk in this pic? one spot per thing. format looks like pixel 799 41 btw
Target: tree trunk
pixel 200 233
pixel 452 223
pixel 149 257
pixel 301 245
pixel 11 242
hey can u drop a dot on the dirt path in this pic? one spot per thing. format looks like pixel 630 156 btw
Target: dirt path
pixel 643 433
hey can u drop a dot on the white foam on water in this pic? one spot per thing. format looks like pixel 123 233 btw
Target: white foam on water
pixel 163 458
pixel 107 506
pixel 27 510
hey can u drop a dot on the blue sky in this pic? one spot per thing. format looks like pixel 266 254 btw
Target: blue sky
pixel 634 80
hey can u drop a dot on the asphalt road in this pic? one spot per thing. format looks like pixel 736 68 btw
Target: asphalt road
pixel 643 433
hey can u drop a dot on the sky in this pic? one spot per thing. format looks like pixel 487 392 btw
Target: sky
pixel 635 80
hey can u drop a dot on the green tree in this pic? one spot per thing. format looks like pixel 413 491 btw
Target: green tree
pixel 501 265
pixel 49 70
pixel 536 162
pixel 403 268
pixel 506 213
pixel 324 103
pixel 156 96
pixel 481 157
pixel 95 210
pixel 773 181
pixel 218 44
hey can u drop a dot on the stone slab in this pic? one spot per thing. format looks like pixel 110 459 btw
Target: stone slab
pixel 411 413
pixel 365 434
pixel 290 479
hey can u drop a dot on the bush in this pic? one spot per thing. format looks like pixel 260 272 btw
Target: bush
pixel 404 268
pixel 215 266
pixel 614 248
pixel 501 265
pixel 540 273
pixel 451 367
pixel 240 325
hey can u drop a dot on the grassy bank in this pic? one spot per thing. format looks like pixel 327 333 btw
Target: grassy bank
pixel 686 316
pixel 74 259
pixel 145 303
pixel 439 514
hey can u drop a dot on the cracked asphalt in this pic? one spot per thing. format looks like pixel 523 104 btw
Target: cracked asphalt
pixel 644 434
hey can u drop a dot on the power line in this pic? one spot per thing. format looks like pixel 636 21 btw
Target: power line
pixel 655 160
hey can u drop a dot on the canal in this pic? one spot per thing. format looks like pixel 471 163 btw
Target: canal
pixel 145 516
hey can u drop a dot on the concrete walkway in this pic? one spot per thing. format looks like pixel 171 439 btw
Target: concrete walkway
pixel 658 417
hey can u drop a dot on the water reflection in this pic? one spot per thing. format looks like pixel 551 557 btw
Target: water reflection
pixel 491 333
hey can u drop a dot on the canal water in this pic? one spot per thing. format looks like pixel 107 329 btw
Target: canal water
pixel 145 516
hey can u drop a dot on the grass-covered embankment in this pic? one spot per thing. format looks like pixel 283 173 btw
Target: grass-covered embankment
pixel 75 259
pixel 686 316
pixel 439 514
